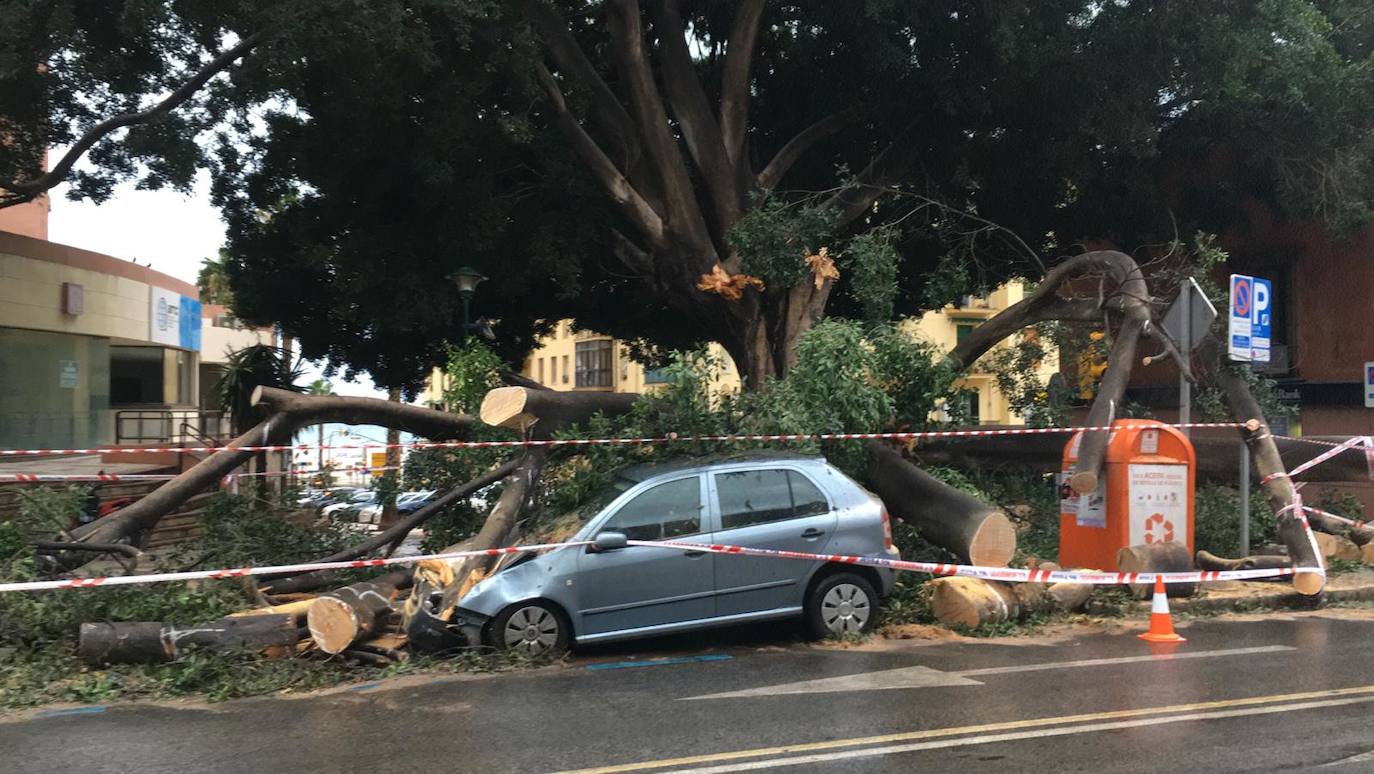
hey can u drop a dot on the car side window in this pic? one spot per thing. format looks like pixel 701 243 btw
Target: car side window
pixel 807 500
pixel 750 497
pixel 662 512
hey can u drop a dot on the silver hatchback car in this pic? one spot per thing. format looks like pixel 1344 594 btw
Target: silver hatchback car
pixel 607 591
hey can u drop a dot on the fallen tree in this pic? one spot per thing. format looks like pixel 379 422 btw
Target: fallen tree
pixel 147 643
pixel 344 616
pixel 289 411
pixel 539 413
pixel 970 529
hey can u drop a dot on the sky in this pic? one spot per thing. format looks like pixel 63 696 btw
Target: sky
pixel 169 231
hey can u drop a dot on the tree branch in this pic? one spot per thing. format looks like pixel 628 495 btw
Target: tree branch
pixel 646 105
pixel 30 188
pixel 606 110
pixel 634 206
pixel 734 79
pixel 875 179
pixel 694 115
pixel 801 143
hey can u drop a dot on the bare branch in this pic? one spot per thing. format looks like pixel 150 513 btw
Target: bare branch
pixel 856 199
pixel 801 143
pixel 646 105
pixel 570 58
pixel 631 204
pixel 694 115
pixel 63 167
pixel 734 79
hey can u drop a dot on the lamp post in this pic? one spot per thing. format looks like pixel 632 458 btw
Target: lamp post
pixel 467 279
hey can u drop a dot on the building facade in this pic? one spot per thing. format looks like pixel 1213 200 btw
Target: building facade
pixel 946 327
pixel 93 349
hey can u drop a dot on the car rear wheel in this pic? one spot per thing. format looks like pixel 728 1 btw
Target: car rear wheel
pixel 843 603
pixel 534 629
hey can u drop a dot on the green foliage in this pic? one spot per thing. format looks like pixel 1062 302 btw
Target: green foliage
pixel 471 371
pixel 259 365
pixel 213 281
pixel 1017 368
pixel 873 262
pixel 774 237
pixel 1216 520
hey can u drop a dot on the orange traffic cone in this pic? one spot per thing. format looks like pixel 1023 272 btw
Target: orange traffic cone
pixel 1161 624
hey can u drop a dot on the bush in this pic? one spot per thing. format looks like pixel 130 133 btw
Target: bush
pixel 1216 523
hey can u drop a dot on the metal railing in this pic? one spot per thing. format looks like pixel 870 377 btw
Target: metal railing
pixel 170 425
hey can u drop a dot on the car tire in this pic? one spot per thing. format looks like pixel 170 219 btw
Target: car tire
pixel 843 603
pixel 534 629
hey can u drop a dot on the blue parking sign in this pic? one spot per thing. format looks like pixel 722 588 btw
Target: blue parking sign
pixel 1251 318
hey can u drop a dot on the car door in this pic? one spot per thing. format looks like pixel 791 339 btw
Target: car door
pixel 773 507
pixel 640 586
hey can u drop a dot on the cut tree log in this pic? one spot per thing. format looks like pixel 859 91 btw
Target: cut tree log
pixel 1367 553
pixel 1337 547
pixel 972 530
pixel 1172 556
pixel 1069 597
pixel 291 411
pixel 973 602
pixel 147 643
pixel 542 412
pixel 438 585
pixel 343 616
pixel 1211 562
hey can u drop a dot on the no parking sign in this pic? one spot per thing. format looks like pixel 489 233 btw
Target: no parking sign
pixel 1252 304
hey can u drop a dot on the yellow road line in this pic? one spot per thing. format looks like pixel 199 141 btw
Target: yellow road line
pixel 975 729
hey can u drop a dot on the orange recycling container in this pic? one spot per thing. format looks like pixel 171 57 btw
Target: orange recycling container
pixel 1145 495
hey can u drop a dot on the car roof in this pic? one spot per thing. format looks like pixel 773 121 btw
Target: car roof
pixel 646 471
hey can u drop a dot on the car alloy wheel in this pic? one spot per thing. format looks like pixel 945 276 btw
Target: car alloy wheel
pixel 531 630
pixel 845 609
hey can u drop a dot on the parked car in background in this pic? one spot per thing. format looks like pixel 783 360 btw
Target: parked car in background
pixel 611 591
pixel 406 502
pixel 348 509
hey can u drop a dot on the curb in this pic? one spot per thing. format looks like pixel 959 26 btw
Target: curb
pixel 1279 600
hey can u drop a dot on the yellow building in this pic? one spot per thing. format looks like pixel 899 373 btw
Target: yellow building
pixel 946 327
pixel 589 362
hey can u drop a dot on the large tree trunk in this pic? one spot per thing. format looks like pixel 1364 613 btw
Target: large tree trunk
pixel 344 616
pixel 146 643
pixel 393 466
pixel 972 530
pixel 1157 557
pixel 540 413
pixel 1275 483
pixel 439 585
pixel 291 411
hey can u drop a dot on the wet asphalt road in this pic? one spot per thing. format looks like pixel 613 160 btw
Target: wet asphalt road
pixel 1275 695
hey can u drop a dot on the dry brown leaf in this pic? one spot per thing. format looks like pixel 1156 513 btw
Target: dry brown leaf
pixel 728 286
pixel 822 266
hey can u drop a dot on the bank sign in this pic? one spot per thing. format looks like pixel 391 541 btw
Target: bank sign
pixel 1252 306
pixel 173 319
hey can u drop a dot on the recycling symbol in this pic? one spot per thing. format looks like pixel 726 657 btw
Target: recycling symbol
pixel 1166 529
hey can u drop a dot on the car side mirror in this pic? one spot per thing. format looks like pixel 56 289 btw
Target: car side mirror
pixel 609 541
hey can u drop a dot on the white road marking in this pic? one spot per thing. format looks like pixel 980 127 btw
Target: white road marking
pixel 926 677
pixel 869 752
pixel 1364 757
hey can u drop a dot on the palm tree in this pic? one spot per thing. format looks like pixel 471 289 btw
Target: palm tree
pixel 320 387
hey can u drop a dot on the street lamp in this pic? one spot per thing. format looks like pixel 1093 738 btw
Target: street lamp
pixel 467 279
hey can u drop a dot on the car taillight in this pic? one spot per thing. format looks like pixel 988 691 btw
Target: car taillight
pixel 887 531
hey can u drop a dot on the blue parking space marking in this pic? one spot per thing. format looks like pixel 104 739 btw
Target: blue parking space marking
pixel 57 713
pixel 660 662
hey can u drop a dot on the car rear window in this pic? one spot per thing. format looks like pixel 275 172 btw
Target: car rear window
pixel 749 497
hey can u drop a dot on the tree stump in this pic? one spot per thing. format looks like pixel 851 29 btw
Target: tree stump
pixel 342 617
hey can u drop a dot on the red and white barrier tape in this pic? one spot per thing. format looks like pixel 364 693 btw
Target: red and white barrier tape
pixel 117 477
pixel 1007 574
pixel 1356 523
pixel 1354 442
pixel 670 438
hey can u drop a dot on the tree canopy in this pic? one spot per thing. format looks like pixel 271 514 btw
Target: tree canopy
pixel 670 171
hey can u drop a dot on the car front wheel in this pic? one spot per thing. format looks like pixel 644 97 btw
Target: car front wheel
pixel 534 629
pixel 843 603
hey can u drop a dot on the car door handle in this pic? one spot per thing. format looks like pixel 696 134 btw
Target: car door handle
pixel 813 533
pixel 694 554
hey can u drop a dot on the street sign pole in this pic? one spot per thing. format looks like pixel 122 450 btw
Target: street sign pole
pixel 1185 389
pixel 1244 499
